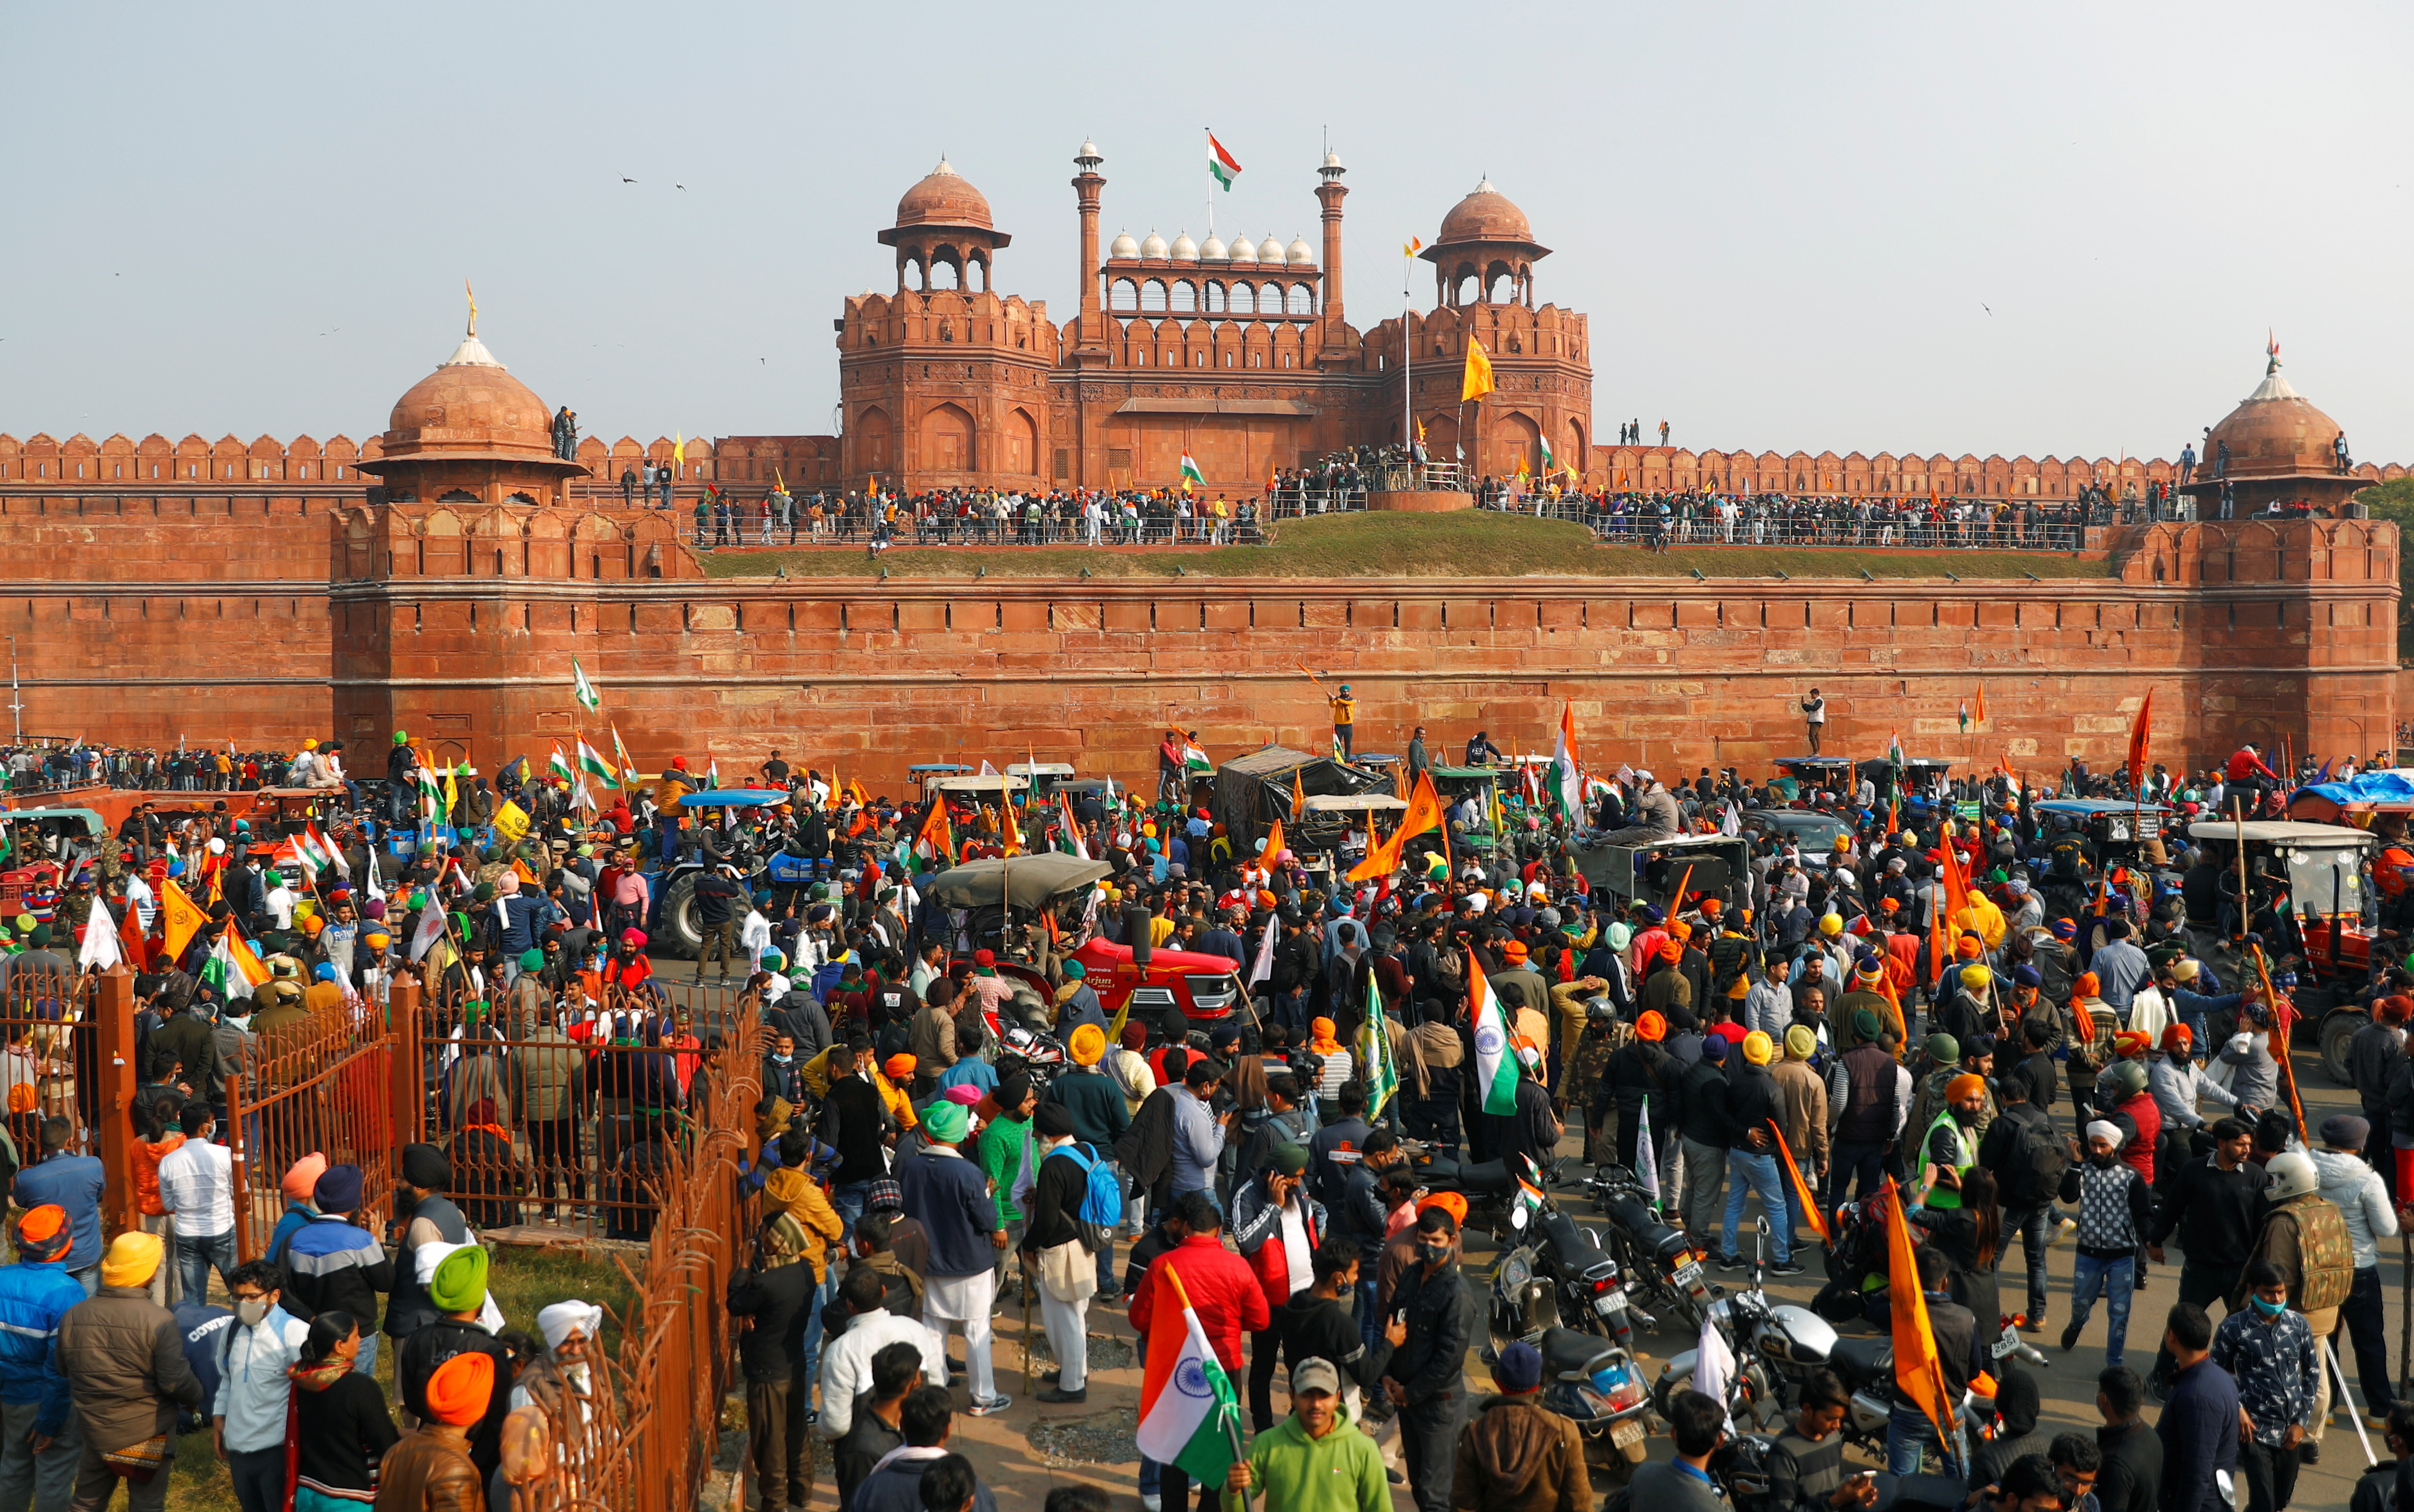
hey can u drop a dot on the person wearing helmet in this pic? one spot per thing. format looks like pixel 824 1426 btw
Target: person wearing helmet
pixel 2303 1244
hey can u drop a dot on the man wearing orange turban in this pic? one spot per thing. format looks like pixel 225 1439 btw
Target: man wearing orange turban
pixel 430 1470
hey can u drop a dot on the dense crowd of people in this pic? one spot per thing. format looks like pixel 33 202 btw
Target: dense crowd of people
pixel 1899 994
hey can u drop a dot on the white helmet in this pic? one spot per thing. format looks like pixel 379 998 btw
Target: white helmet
pixel 2290 1173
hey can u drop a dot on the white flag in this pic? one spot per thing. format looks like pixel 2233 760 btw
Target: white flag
pixel 101 949
pixel 1646 1165
pixel 1713 1364
pixel 1731 825
pixel 430 928
pixel 1264 965
pixel 376 888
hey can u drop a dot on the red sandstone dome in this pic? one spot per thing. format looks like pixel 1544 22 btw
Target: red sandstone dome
pixel 944 198
pixel 2275 433
pixel 471 405
pixel 1485 215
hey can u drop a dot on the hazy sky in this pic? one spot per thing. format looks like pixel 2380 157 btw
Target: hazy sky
pixel 1788 224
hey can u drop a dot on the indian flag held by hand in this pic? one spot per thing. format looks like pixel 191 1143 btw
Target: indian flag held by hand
pixel 1190 474
pixel 1188 1411
pixel 1495 1060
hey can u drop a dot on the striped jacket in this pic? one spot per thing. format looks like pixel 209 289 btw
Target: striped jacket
pixel 333 1264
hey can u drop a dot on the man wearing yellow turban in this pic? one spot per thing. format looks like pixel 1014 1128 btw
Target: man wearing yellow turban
pixel 123 1358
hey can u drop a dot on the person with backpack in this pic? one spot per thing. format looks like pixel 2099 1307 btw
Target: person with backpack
pixel 1076 1201
pixel 2027 1154
pixel 2362 1199
pixel 2302 1234
pixel 2113 1208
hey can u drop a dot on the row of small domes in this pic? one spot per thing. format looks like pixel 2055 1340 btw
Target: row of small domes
pixel 1183 249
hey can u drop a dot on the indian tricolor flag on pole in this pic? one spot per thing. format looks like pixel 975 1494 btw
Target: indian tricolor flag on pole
pixel 1223 167
pixel 1495 1060
pixel 1190 474
pixel 1187 1413
pixel 559 764
pixel 1194 758
pixel 1567 783
pixel 587 698
pixel 232 968
pixel 316 853
pixel 591 762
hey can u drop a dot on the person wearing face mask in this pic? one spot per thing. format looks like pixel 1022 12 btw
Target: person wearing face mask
pixel 1426 1380
pixel 2269 1350
pixel 248 1418
pixel 2113 1208
pixel 2303 1235
pixel 341 1423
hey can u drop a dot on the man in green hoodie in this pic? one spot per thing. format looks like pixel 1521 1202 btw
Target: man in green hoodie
pixel 1316 1460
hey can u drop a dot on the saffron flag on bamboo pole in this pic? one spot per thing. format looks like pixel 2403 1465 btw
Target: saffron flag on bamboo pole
pixel 1274 843
pixel 1801 1189
pixel 1424 812
pixel 180 918
pixel 2138 732
pixel 1476 381
pixel 1982 703
pixel 1916 1368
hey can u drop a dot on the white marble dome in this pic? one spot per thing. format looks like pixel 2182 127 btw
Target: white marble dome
pixel 1184 248
pixel 1124 246
pixel 1212 250
pixel 1243 250
pixel 1300 251
pixel 1153 249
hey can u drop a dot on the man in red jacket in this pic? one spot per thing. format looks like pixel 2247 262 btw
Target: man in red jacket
pixel 1225 1294
pixel 1277 1228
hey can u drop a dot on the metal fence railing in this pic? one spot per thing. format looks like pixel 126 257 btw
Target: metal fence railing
pixel 644 1439
pixel 322 1084
pixel 561 1116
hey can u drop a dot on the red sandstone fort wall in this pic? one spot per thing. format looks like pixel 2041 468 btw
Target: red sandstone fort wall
pixel 270 618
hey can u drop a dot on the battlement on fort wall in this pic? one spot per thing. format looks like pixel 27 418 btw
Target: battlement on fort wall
pixel 273 617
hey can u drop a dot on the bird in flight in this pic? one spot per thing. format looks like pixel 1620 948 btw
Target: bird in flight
pixel 681 188
pixel 626 178
pixel 1983 305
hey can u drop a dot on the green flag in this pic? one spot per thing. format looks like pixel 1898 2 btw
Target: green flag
pixel 1377 1071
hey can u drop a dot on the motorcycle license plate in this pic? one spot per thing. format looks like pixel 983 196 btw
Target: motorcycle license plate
pixel 1610 1305
pixel 1688 1275
pixel 1627 1433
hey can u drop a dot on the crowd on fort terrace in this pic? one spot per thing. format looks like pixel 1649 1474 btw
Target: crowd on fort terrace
pixel 1900 988
pixel 1202 514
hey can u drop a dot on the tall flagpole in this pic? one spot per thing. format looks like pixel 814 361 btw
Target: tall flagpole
pixel 1407 363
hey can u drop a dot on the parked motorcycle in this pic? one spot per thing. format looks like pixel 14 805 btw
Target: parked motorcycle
pixel 1556 1275
pixel 1659 1265
pixel 1490 1187
pixel 1044 1056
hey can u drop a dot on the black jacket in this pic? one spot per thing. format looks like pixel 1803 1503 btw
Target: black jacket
pixel 1442 1319
pixel 1359 1217
pixel 1754 1102
pixel 773 1347
pixel 1320 1327
pixel 2372 1057
pixel 1702 1105
pixel 1056 1196
pixel 432 1345
pixel 2212 1211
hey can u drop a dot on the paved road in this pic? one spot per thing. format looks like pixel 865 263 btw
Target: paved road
pixel 1021 1475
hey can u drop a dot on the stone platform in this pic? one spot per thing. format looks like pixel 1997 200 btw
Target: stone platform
pixel 1421 501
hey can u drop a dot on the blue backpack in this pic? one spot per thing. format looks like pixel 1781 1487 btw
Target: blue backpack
pixel 1102 1204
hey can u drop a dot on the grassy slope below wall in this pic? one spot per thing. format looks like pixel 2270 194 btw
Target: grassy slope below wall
pixel 1466 544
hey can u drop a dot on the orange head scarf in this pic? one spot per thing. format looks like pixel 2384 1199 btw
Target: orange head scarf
pixel 2086 986
pixel 1321 1039
pixel 459 1390
pixel 1652 1025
